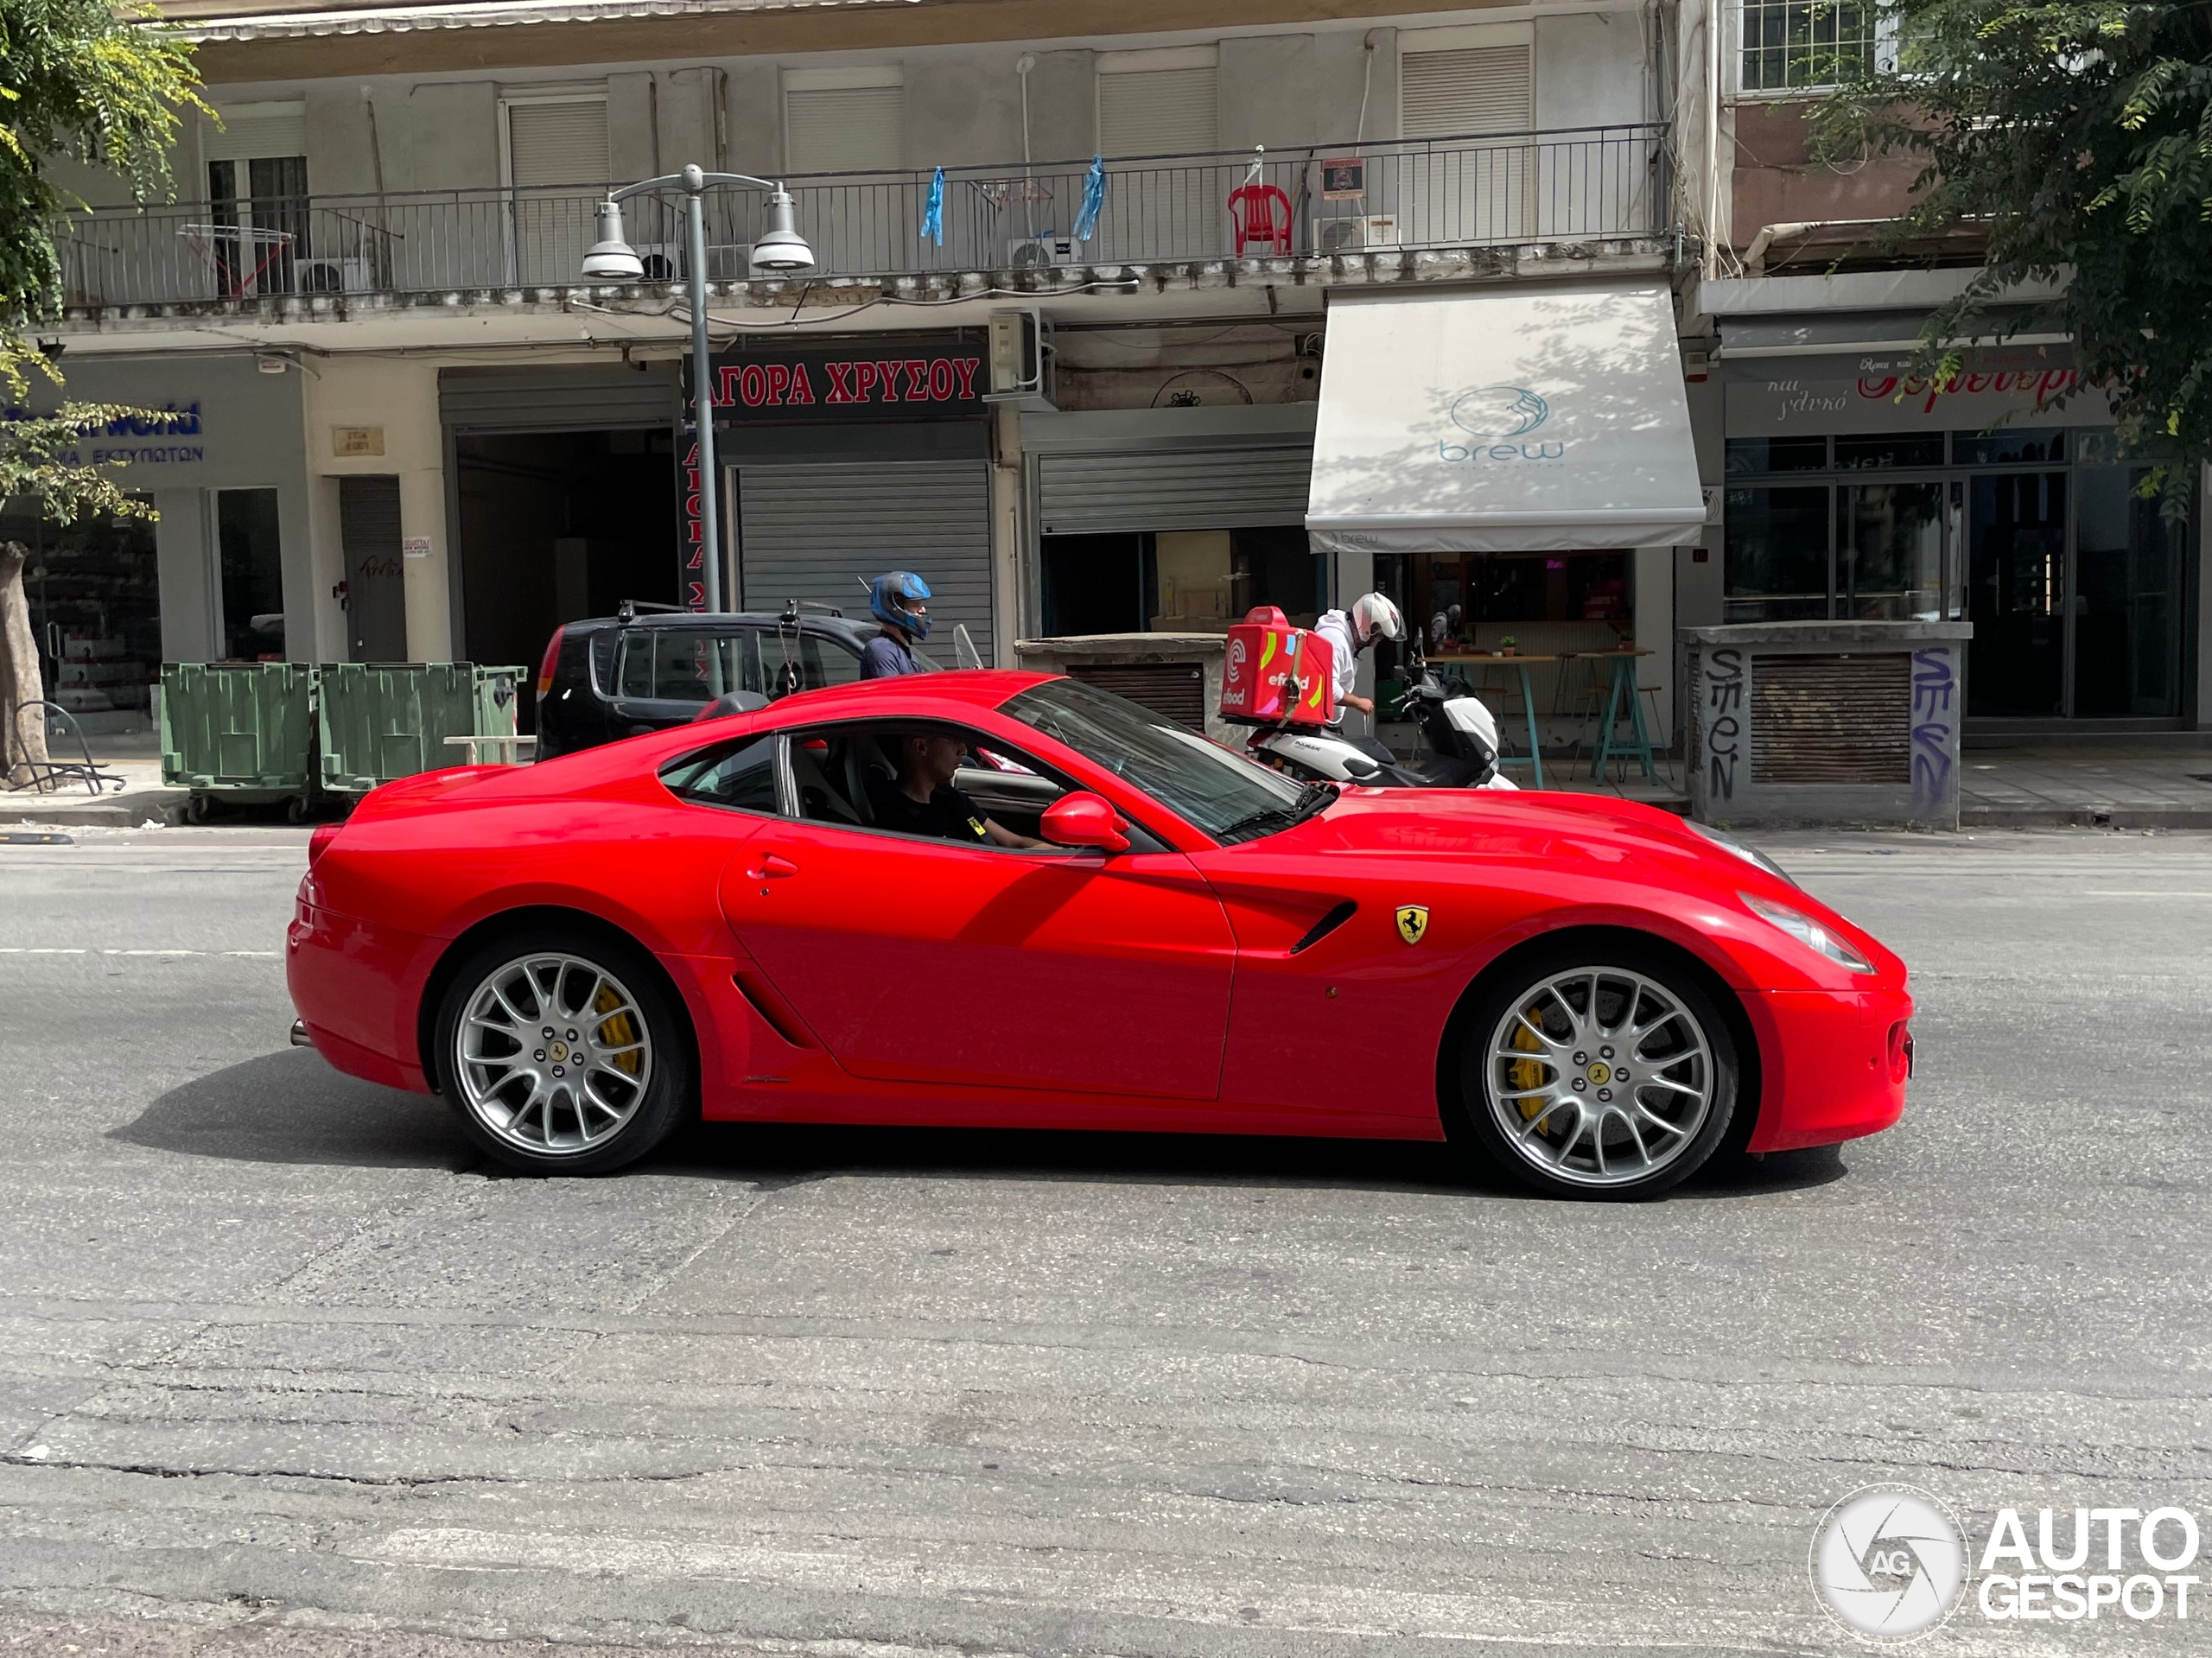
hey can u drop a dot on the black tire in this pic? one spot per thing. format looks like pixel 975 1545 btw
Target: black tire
pixel 576 1127
pixel 297 809
pixel 1683 1072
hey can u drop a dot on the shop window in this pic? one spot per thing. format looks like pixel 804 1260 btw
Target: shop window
pixel 252 574
pixel 1887 450
pixel 1890 551
pixel 2028 446
pixel 1777 558
pixel 1777 453
pixel 1094 584
pixel 1277 566
pixel 95 613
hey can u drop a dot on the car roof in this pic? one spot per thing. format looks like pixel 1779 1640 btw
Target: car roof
pixel 767 619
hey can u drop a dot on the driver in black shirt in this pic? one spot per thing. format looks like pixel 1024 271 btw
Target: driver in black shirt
pixel 924 801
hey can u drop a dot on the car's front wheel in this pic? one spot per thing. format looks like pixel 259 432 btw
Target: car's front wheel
pixel 561 1052
pixel 1602 1070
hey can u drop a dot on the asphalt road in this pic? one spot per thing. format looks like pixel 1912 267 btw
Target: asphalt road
pixel 283 1369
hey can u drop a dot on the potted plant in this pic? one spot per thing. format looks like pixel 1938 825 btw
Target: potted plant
pixel 1508 646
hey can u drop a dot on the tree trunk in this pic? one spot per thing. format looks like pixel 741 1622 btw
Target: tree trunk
pixel 22 743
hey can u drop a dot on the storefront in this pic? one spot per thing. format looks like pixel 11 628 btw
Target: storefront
pixel 841 459
pixel 1514 466
pixel 1855 491
pixel 1170 520
pixel 225 570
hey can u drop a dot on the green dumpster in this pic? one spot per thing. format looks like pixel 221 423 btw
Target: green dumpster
pixel 239 730
pixel 377 720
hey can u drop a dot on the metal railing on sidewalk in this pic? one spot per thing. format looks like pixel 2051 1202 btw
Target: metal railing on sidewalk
pixel 1580 184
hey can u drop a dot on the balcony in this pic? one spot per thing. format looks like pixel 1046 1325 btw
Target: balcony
pixel 321 252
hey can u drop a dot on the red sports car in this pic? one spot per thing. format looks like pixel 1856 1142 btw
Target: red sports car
pixel 1009 899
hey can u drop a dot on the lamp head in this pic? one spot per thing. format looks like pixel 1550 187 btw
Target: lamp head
pixel 611 259
pixel 781 248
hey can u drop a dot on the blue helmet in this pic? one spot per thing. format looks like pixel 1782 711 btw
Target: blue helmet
pixel 884 595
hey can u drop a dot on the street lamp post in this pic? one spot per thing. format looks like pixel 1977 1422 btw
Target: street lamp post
pixel 613 259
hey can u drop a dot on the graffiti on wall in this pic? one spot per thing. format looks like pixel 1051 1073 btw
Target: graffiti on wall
pixel 1934 725
pixel 1721 703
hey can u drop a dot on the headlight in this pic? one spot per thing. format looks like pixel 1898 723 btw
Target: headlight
pixel 1807 931
pixel 1748 854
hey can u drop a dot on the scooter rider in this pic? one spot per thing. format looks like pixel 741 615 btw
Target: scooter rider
pixel 899 601
pixel 1371 617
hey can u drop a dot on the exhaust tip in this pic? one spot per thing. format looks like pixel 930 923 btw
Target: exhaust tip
pixel 300 1037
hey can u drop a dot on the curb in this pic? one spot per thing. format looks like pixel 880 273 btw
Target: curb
pixel 109 812
pixel 2114 818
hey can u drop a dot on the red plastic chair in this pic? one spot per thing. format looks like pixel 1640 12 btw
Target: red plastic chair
pixel 1257 221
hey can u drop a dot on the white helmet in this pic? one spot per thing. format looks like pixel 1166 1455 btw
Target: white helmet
pixel 1374 617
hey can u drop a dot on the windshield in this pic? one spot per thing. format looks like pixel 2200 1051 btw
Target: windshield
pixel 1201 782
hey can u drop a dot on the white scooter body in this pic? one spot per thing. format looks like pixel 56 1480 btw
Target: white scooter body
pixel 1323 755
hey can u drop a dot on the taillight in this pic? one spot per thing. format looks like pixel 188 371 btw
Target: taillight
pixel 552 657
pixel 319 842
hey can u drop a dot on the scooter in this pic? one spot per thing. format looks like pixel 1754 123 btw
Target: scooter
pixel 1459 728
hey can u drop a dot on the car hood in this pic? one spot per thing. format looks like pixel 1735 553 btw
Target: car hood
pixel 1492 823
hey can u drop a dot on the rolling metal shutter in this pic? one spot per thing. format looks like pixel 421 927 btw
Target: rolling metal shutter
pixel 558 399
pixel 558 142
pixel 1832 719
pixel 1176 689
pixel 844 128
pixel 255 132
pixel 1173 489
pixel 1159 112
pixel 1470 90
pixel 819 531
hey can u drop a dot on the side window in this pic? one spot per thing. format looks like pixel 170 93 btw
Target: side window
pixel 826 662
pixel 740 775
pixel 634 675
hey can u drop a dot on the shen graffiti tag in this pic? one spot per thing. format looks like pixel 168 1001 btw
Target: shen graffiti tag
pixel 1934 688
pixel 1724 726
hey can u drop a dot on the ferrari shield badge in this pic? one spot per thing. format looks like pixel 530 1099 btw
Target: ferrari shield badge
pixel 1412 922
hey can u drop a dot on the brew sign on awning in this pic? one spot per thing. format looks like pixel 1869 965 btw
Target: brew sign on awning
pixel 901 377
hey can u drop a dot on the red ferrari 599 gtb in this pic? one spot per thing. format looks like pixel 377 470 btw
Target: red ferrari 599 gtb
pixel 1007 899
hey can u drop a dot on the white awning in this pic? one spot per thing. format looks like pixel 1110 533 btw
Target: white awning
pixel 1526 420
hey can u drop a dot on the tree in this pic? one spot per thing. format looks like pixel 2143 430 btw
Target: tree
pixel 2079 136
pixel 108 88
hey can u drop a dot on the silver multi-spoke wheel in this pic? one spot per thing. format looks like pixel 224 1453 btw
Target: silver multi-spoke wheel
pixel 1599 1076
pixel 552 1054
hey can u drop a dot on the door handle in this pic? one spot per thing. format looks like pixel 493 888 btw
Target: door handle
pixel 773 867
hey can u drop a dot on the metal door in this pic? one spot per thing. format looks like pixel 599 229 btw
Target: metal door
pixel 820 532
pixel 376 594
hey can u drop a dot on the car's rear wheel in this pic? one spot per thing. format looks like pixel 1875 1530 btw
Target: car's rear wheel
pixel 561 1052
pixel 1599 1071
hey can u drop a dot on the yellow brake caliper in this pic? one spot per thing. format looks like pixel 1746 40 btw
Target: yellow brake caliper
pixel 1527 1074
pixel 620 1032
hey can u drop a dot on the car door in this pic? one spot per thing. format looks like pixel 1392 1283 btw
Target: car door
pixel 931 961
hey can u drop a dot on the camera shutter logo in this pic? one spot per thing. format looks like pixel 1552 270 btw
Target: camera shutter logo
pixel 1888 1562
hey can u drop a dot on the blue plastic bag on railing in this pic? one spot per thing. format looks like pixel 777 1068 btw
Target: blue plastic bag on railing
pixel 933 209
pixel 1093 200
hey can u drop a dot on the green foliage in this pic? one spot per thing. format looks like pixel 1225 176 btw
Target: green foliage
pixel 2080 136
pixel 107 87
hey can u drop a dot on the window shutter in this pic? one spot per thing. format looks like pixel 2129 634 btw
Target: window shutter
pixel 1467 90
pixel 844 128
pixel 560 141
pixel 1158 112
pixel 265 131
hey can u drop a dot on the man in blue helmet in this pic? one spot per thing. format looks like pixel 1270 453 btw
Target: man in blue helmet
pixel 901 601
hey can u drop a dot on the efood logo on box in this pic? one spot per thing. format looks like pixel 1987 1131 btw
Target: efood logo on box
pixel 1498 418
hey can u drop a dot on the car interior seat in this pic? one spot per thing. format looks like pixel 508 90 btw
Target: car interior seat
pixel 819 799
pixel 866 767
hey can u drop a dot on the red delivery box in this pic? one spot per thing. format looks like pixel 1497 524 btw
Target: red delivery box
pixel 1275 674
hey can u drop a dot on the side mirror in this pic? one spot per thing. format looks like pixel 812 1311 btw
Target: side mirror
pixel 1085 820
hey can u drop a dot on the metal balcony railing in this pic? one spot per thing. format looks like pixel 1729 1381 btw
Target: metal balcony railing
pixel 1586 183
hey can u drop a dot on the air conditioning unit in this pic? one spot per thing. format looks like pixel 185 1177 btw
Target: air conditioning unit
pixel 664 261
pixel 333 276
pixel 1359 234
pixel 1022 360
pixel 1050 248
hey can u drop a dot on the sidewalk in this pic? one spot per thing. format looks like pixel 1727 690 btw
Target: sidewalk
pixel 135 758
